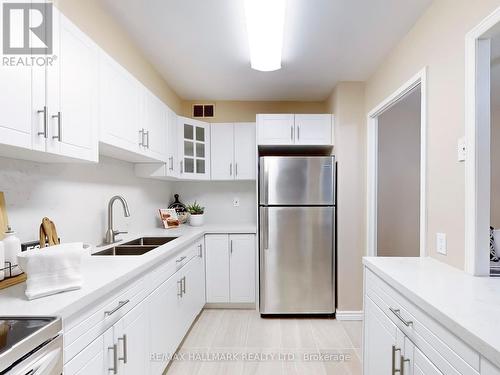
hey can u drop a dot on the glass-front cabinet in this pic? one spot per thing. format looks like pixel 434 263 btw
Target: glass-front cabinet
pixel 195 149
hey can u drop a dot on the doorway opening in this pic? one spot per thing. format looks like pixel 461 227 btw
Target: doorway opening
pixel 482 165
pixel 396 172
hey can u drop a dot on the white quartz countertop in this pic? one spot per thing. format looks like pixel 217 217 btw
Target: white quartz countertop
pixel 468 306
pixel 103 274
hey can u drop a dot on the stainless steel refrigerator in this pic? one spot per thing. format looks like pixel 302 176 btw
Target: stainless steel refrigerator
pixel 297 235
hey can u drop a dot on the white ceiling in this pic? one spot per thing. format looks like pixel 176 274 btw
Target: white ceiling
pixel 201 48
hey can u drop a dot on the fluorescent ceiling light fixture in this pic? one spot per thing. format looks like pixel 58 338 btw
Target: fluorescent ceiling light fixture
pixel 265 24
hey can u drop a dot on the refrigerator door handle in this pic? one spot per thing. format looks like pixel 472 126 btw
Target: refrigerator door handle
pixel 265 227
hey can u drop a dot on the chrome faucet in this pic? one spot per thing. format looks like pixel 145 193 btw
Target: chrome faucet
pixel 111 233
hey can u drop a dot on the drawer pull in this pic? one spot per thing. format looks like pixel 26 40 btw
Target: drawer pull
pixel 397 312
pixel 180 259
pixel 394 350
pixel 115 359
pixel 179 284
pixel 124 340
pixel 120 305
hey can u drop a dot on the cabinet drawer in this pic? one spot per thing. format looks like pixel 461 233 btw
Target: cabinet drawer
pixel 450 354
pixel 83 329
pixel 162 273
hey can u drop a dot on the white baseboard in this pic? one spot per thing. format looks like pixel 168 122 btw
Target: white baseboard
pixel 349 315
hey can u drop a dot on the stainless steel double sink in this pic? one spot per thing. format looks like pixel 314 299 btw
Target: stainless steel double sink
pixel 139 246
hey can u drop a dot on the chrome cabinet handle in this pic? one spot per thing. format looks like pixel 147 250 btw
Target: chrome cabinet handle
pixel 115 359
pixel 298 132
pixel 403 361
pixel 182 167
pixel 236 169
pixel 179 287
pixel 147 139
pixel 120 305
pixel 59 126
pixel 184 285
pixel 231 246
pixel 171 163
pixel 45 121
pixel 397 312
pixel 230 169
pixel 200 252
pixel 394 350
pixel 291 132
pixel 124 340
pixel 141 133
pixel 180 259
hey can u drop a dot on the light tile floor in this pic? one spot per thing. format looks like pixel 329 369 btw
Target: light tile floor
pixel 240 342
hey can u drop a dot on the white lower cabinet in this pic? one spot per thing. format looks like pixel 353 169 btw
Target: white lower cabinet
pixel 400 338
pixel 230 268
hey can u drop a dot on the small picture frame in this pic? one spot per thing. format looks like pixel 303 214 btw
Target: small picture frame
pixel 169 218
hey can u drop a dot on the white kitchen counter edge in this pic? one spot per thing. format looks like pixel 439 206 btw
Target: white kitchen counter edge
pixel 411 276
pixel 104 274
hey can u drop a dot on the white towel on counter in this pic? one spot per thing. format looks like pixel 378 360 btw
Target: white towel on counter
pixel 53 269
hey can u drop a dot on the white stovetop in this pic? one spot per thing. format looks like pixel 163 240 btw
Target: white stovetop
pixel 468 306
pixel 102 274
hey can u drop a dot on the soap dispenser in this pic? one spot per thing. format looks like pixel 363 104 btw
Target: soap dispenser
pixel 12 248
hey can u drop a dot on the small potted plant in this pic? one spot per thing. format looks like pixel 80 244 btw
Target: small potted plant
pixel 197 214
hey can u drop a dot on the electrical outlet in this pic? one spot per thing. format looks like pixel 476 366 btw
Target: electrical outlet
pixel 236 202
pixel 441 243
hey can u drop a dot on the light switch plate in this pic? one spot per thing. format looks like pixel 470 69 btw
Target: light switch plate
pixel 461 149
pixel 441 243
pixel 236 202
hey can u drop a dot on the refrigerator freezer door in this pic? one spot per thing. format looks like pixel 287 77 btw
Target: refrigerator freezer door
pixel 296 181
pixel 297 260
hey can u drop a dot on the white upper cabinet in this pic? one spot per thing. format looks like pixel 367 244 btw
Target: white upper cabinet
pixel 289 129
pixel 72 99
pixel 313 129
pixel 275 129
pixel 233 154
pixel 173 162
pixel 194 149
pixel 154 129
pixel 222 157
pixel 119 110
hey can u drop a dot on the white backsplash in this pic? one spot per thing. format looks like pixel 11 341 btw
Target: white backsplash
pixel 217 198
pixel 75 197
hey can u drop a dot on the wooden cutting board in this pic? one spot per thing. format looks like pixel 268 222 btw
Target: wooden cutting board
pixel 3 216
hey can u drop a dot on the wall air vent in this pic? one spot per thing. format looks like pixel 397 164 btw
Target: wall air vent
pixel 203 110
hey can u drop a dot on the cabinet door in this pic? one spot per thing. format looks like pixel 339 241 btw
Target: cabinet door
pixel 155 116
pixel 194 139
pixel 165 334
pixel 72 93
pixel 217 268
pixel 242 268
pixel 194 290
pixel 119 103
pixel 313 129
pixel 245 151
pixel 90 361
pixel 172 142
pixel 416 363
pixel 16 102
pixel 275 129
pixel 132 338
pixel 222 151
pixel 380 335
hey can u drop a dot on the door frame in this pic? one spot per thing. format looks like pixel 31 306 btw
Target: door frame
pixel 419 79
pixel 477 136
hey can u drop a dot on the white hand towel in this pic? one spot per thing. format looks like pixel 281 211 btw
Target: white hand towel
pixel 52 270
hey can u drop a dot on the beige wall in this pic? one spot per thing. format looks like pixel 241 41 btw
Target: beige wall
pixel 438 41
pixel 398 192
pixel 347 103
pixel 93 19
pixel 245 111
